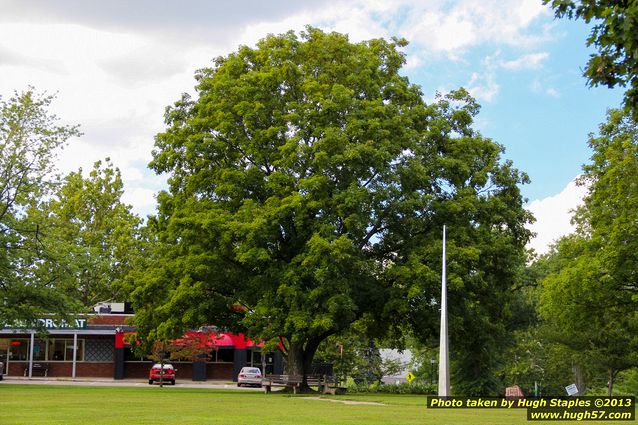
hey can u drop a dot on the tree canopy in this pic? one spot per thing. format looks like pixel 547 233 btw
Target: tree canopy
pixel 614 35
pixel 91 236
pixel 309 183
pixel 590 296
pixel 30 139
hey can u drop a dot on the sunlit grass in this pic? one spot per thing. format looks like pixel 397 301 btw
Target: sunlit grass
pixel 68 405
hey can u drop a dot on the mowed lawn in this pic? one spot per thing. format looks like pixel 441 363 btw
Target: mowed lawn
pixel 68 405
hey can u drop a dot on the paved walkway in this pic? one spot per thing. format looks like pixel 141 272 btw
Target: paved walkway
pixel 105 382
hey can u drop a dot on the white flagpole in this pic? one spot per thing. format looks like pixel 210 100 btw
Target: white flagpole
pixel 444 357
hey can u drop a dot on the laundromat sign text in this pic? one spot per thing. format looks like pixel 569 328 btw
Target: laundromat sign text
pixel 51 324
pixel 63 324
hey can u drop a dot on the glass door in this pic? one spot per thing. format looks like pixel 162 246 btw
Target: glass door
pixel 4 351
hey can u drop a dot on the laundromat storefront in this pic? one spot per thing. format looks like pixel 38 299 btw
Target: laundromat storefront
pixel 96 346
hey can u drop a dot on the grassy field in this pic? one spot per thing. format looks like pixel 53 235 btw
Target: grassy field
pixel 68 405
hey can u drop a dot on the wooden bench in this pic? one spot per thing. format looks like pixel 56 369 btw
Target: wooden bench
pixel 334 390
pixel 38 368
pixel 325 384
pixel 269 381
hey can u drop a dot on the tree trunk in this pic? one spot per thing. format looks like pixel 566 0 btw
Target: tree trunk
pixel 579 379
pixel 299 360
pixel 294 359
pixel 610 384
pixel 161 382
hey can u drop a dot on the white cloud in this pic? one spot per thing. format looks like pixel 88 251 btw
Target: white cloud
pixel 552 92
pixel 116 85
pixel 528 10
pixel 361 20
pixel 117 66
pixel 143 200
pixel 453 26
pixel 553 216
pixel 436 26
pixel 413 61
pixel 483 87
pixel 530 61
pixel 538 87
pixel 438 30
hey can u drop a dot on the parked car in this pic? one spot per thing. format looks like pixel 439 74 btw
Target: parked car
pixel 249 376
pixel 168 373
pixel 1 370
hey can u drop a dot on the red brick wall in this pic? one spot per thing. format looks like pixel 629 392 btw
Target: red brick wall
pixel 137 370
pixel 96 370
pixel 65 369
pixel 220 371
pixel 16 368
pixel 108 320
pixel 184 370
pixel 132 370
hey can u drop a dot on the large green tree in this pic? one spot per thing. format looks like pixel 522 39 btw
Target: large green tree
pixel 615 35
pixel 30 139
pixel 91 237
pixel 583 311
pixel 309 183
pixel 538 362
pixel 591 298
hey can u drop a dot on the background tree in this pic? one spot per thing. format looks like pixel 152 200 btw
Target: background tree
pixel 91 236
pixel 591 297
pixel 534 360
pixel 194 346
pixel 160 353
pixel 309 183
pixel 614 35
pixel 582 312
pixel 29 141
pixel 355 357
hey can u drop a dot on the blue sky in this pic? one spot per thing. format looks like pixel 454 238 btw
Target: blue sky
pixel 116 65
pixel 541 112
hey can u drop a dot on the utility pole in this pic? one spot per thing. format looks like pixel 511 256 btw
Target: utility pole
pixel 444 355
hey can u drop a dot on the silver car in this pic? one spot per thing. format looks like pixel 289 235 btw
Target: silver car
pixel 249 376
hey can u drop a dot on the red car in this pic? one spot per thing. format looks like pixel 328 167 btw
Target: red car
pixel 168 373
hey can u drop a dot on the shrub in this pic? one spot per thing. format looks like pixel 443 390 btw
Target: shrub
pixel 402 388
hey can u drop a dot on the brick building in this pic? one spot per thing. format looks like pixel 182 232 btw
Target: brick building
pixel 95 346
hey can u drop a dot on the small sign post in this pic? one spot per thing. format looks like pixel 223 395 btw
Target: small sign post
pixel 571 389
pixel 410 377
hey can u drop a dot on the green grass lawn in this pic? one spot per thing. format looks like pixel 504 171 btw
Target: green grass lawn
pixel 68 405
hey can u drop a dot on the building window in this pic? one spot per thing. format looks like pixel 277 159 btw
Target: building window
pixel 225 355
pixel 39 350
pixel 19 349
pixel 45 350
pixel 255 357
pixel 62 350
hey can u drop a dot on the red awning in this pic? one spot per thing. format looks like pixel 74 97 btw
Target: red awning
pixel 215 339
pixel 251 343
pixel 203 339
pixel 223 340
